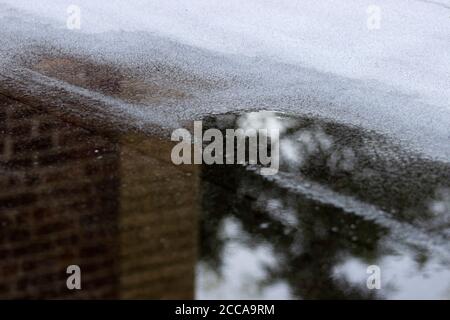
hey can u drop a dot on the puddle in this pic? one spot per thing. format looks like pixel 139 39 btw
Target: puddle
pixel 113 81
pixel 140 227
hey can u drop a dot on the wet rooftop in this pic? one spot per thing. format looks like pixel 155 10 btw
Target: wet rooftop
pixel 111 201
pixel 87 177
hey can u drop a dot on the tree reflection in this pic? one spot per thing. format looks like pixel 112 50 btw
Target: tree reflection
pixel 311 238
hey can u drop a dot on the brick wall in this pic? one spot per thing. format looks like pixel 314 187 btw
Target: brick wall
pixel 158 221
pixel 70 196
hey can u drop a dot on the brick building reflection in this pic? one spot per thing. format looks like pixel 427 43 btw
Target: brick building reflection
pixel 116 206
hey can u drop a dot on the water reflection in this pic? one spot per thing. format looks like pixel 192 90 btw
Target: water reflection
pixel 344 199
pixel 141 227
pixel 112 204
